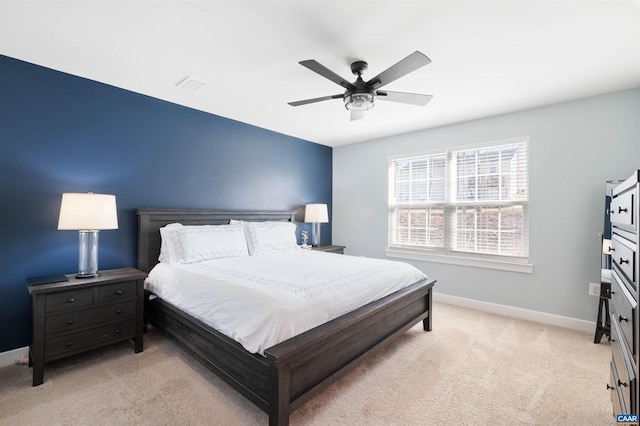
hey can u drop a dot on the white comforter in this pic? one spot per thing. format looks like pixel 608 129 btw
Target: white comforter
pixel 262 300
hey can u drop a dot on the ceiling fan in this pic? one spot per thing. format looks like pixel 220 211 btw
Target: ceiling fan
pixel 360 96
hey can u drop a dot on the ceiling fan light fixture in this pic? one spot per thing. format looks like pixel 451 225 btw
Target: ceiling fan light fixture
pixel 359 101
pixel 359 96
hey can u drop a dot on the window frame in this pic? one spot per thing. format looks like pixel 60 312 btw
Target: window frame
pixel 446 254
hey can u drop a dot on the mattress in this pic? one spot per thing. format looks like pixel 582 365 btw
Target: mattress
pixel 260 301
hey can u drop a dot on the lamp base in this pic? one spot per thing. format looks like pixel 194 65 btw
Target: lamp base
pixel 315 235
pixel 88 254
pixel 88 275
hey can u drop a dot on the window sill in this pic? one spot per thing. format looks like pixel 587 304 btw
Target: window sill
pixel 525 268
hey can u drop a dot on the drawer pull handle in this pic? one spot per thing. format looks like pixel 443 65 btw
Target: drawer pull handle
pixel 609 387
pixel 623 261
pixel 118 292
pixel 118 311
pixel 69 322
pixel 621 383
pixel 620 210
pixel 117 331
pixel 70 299
pixel 621 318
pixel 69 344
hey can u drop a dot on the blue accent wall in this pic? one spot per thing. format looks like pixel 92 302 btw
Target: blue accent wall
pixel 62 133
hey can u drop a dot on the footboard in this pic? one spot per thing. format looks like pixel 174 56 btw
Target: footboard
pixel 297 369
pixel 306 364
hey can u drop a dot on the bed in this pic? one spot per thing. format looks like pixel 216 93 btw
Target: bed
pixel 289 373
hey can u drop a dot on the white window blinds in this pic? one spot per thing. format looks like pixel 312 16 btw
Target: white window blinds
pixel 472 200
pixel 417 201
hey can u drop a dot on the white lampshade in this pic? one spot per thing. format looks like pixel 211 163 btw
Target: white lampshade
pixel 316 213
pixel 88 211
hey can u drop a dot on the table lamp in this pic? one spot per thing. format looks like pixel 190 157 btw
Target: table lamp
pixel 88 213
pixel 316 214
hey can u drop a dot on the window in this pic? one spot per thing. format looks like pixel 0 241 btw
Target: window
pixel 470 202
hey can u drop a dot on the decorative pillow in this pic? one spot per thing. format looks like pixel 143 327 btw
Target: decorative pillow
pixel 270 237
pixel 167 250
pixel 188 244
pixel 206 242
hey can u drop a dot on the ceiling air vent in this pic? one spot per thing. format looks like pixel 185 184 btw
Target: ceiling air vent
pixel 191 84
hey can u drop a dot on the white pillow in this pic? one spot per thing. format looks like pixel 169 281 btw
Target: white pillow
pixel 270 237
pixel 167 251
pixel 189 244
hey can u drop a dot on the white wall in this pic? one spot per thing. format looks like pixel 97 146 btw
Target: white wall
pixel 574 148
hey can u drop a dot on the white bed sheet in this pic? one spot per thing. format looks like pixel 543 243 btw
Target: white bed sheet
pixel 260 301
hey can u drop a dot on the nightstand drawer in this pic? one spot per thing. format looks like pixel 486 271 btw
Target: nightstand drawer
pixel 68 299
pixel 86 339
pixel 117 291
pixel 77 319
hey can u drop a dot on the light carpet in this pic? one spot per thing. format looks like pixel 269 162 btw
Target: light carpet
pixel 474 368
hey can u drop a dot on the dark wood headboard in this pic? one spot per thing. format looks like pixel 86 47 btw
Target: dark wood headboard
pixel 151 220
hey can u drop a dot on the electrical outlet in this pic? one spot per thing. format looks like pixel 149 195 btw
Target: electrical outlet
pixel 594 289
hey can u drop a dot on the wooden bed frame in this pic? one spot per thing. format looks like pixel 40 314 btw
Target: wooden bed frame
pixel 294 371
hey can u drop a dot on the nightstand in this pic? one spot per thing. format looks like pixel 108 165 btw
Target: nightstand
pixel 330 249
pixel 80 314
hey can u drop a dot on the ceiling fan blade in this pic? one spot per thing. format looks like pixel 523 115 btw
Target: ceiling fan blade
pixel 317 67
pixel 403 97
pixel 356 115
pixel 310 101
pixel 402 68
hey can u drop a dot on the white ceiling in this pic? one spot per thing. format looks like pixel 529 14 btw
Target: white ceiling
pixel 489 57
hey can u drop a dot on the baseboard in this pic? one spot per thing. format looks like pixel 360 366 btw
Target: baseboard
pixel 10 357
pixel 525 314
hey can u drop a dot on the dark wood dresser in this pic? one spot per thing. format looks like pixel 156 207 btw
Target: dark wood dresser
pixel 624 217
pixel 80 314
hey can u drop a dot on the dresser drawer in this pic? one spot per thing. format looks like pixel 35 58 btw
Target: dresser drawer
pixel 84 318
pixel 626 377
pixel 118 291
pixel 623 254
pixel 617 400
pixel 623 307
pixel 68 299
pixel 62 345
pixel 622 211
